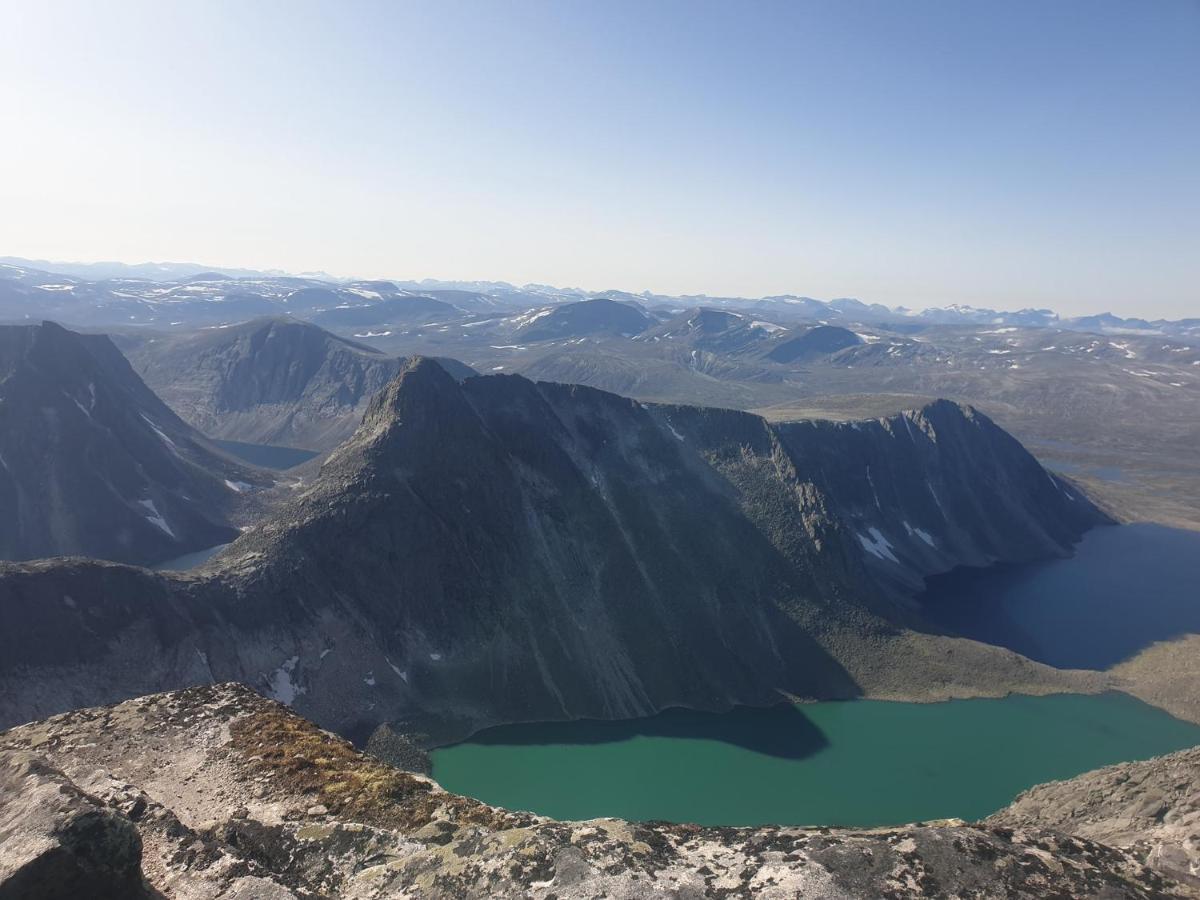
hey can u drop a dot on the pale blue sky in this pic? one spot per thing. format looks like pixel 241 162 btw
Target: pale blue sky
pixel 919 153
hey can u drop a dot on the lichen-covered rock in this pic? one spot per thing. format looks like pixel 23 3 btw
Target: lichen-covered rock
pixel 1151 808
pixel 221 784
pixel 59 843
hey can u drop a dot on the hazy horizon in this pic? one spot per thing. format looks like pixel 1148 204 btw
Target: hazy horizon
pixel 1004 156
pixel 319 274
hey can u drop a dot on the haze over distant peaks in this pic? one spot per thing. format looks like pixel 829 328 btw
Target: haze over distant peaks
pixel 486 293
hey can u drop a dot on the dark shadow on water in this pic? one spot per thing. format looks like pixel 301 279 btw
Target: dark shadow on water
pixel 1125 588
pixel 267 455
pixel 782 731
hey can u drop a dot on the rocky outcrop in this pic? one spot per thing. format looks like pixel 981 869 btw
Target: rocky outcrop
pixel 268 381
pixel 496 550
pixel 401 751
pixel 57 842
pixel 234 796
pixel 93 464
pixel 1150 808
pixel 1165 675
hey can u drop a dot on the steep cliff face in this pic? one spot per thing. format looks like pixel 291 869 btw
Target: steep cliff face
pixel 499 550
pixel 93 464
pixel 216 792
pixel 911 495
pixel 269 381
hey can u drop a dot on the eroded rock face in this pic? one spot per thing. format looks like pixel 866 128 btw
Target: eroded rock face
pixel 234 796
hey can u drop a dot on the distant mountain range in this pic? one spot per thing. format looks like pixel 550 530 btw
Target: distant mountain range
pixel 160 293
pixel 150 271
pixel 1092 392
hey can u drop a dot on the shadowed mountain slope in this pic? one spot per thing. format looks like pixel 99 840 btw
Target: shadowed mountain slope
pixel 268 381
pixel 93 464
pixel 499 550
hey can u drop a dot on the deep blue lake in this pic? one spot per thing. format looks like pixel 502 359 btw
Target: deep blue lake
pixel 1127 586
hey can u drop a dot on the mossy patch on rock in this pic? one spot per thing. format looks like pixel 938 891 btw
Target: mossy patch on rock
pixel 303 759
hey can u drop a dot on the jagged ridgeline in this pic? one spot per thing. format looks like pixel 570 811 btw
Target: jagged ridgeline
pixel 501 550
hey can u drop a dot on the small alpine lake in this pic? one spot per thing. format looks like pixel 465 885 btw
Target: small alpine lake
pixel 189 560
pixel 862 762
pixel 269 456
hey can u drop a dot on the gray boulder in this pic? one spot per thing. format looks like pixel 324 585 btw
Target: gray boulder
pixel 56 841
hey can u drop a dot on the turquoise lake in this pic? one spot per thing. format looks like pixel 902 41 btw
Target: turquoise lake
pixel 838 763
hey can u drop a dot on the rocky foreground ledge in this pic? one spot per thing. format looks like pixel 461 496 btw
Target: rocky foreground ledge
pixel 216 792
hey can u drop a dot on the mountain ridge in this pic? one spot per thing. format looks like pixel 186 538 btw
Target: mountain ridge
pixel 486 293
pixel 593 555
pixel 272 380
pixel 93 463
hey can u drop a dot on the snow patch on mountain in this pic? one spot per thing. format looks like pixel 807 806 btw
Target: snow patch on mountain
pixel 877 545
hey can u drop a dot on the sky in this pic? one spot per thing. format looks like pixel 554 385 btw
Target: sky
pixel 1014 154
